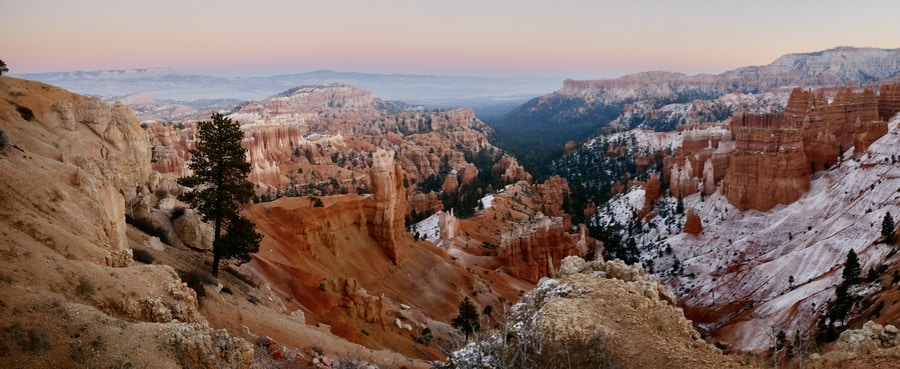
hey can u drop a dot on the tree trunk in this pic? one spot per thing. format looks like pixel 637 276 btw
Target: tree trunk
pixel 215 269
pixel 216 252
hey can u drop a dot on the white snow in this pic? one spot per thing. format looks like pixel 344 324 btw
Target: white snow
pixel 486 201
pixel 750 256
pixel 429 228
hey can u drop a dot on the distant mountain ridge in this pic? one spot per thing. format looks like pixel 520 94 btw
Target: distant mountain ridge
pixel 580 108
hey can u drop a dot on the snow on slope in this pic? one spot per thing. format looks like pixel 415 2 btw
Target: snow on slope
pixel 430 228
pixel 748 258
pixel 647 113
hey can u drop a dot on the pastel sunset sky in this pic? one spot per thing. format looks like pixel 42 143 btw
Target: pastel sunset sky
pixel 565 38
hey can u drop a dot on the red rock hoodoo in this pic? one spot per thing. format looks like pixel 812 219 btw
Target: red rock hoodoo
pixel 775 154
pixel 693 224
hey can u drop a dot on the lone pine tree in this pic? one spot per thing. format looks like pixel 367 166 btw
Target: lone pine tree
pixel 467 320
pixel 887 229
pixel 220 189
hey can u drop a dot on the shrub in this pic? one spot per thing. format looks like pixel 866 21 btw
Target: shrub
pixel 3 139
pixel 147 226
pixel 161 193
pixel 29 340
pixel 178 212
pixel 143 256
pixel 530 351
pixel 195 279
pixel 85 288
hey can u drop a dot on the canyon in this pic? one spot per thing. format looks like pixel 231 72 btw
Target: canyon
pixel 773 204
pixel 333 279
pixel 662 101
pixel 380 217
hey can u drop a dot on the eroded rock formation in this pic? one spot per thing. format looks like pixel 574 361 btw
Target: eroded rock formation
pixel 511 170
pixel 692 223
pixel 775 154
pixel 318 140
pixel 768 165
pixel 390 202
pixel 69 168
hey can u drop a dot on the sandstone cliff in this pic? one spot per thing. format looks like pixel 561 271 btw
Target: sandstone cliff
pixel 334 266
pixel 768 166
pixel 68 167
pixel 775 154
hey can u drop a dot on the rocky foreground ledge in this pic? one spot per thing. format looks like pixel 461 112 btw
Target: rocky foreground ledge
pixel 628 313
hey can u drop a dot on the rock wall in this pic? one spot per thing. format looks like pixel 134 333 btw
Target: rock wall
pixel 701 162
pixel 550 196
pixel 98 156
pixel 768 167
pixel 888 101
pixel 69 168
pixel 534 250
pixel 775 153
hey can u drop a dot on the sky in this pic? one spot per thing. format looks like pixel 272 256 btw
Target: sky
pixel 564 38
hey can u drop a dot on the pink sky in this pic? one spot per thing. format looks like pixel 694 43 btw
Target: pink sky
pixel 577 39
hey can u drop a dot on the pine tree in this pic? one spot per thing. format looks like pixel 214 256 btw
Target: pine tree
pixel 843 302
pixel 887 229
pixel 221 189
pixel 467 320
pixel 3 68
pixel 852 268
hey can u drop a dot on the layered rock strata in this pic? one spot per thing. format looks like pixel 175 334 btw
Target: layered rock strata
pixel 775 154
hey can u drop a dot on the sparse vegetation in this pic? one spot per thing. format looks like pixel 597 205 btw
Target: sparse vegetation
pixel 177 212
pixel 831 324
pixel 143 256
pixel 161 193
pixel 6 279
pixel 527 347
pixel 85 288
pixel 196 279
pixel 29 340
pixel 3 139
pixel 147 226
